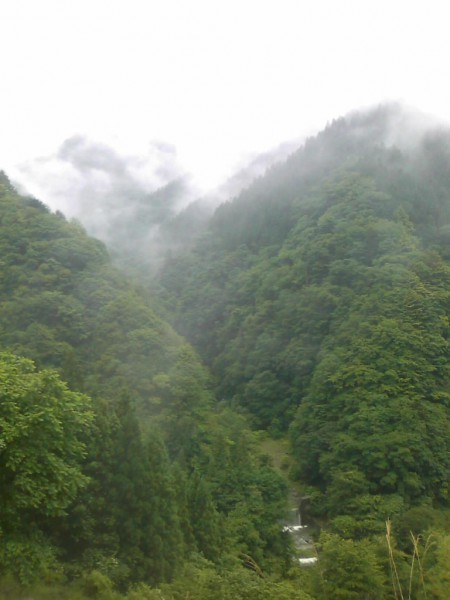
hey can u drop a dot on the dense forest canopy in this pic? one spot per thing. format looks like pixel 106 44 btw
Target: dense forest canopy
pixel 319 299
pixel 117 470
pixel 312 307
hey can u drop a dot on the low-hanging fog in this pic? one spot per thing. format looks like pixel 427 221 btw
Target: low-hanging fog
pixel 126 199
pixel 145 205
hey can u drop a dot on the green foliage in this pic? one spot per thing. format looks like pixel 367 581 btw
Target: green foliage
pixel 41 450
pixel 139 514
pixel 204 518
pixel 422 571
pixel 281 263
pixel 249 495
pixel 378 401
pixel 348 570
pixel 319 300
pixel 437 574
pixel 345 317
pixel 40 446
pixel 29 556
pixel 203 582
pixel 64 306
pixel 125 523
pixel 348 318
pixel 97 585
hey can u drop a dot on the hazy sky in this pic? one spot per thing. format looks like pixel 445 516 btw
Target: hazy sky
pixel 216 80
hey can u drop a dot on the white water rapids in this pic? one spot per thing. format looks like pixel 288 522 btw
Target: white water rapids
pixel 302 537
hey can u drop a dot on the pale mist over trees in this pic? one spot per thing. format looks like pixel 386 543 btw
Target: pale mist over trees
pixel 280 345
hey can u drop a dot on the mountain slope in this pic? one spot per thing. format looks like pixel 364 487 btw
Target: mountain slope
pixel 142 481
pixel 64 306
pixel 320 300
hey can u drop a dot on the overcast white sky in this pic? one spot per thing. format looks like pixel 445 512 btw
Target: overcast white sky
pixel 217 79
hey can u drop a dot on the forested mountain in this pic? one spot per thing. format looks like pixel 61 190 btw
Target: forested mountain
pixel 129 472
pixel 315 305
pixel 145 208
pixel 320 297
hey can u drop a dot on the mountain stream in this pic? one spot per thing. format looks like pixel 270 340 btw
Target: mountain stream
pixel 301 530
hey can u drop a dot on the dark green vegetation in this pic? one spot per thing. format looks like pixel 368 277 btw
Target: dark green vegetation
pixel 318 301
pixel 320 298
pixel 129 471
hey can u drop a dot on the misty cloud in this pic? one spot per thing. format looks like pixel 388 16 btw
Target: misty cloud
pixel 87 156
pixel 255 166
pixel 98 184
pixel 392 124
pixel 102 186
pixel 134 202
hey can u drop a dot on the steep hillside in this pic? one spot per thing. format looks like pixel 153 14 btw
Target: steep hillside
pixel 140 472
pixel 64 306
pixel 320 300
